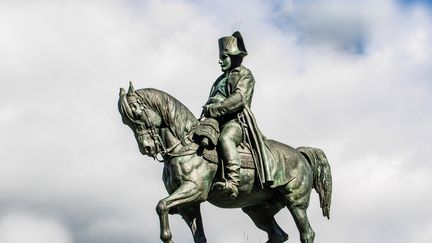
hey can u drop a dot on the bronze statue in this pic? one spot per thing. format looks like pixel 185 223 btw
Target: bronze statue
pixel 263 175
pixel 229 102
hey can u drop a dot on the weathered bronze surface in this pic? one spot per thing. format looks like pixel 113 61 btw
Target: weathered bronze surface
pixel 202 160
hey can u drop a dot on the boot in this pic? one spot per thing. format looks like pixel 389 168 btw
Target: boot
pixel 231 157
pixel 233 179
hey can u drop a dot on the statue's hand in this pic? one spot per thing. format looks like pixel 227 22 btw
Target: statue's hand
pixel 206 111
pixel 215 99
pixel 210 110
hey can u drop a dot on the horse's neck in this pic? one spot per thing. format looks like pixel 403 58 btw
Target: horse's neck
pixel 169 139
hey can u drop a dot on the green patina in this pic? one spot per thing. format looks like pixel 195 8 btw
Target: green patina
pixel 196 170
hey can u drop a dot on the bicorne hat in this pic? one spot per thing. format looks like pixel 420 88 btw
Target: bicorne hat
pixel 232 45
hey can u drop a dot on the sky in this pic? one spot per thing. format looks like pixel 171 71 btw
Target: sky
pixel 353 78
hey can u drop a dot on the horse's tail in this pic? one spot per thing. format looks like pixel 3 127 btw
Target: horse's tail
pixel 322 179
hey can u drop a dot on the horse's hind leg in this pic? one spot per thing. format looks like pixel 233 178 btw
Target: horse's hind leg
pixel 263 217
pixel 297 196
pixel 297 202
pixel 192 216
pixel 299 214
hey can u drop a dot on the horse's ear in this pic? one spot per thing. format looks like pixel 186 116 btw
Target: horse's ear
pixel 123 105
pixel 122 92
pixel 131 88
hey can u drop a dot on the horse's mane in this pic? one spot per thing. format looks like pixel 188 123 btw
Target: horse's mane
pixel 176 116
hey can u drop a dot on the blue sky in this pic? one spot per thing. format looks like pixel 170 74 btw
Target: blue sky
pixel 352 78
pixel 408 2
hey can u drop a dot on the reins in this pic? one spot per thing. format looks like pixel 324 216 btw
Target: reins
pixel 159 144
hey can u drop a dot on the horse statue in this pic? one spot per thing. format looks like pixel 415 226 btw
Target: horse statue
pixel 163 128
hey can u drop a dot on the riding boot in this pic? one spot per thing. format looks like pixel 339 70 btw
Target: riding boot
pixel 233 177
pixel 231 135
pixel 233 173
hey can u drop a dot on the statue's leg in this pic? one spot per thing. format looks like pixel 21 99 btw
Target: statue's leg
pixel 187 193
pixel 192 216
pixel 299 214
pixel 231 136
pixel 263 218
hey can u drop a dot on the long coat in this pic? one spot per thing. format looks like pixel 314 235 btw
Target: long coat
pixel 231 98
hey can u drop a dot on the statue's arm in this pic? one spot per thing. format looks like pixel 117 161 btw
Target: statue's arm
pixel 238 99
pixel 209 101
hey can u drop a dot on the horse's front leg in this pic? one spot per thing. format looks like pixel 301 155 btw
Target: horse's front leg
pixel 192 215
pixel 186 194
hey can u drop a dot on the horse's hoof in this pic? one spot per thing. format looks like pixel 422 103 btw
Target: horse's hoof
pixel 278 240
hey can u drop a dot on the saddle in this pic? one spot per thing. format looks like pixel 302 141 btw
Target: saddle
pixel 207 133
pixel 279 170
pixel 246 159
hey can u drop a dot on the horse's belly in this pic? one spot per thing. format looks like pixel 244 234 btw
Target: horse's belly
pixel 243 199
pixel 248 194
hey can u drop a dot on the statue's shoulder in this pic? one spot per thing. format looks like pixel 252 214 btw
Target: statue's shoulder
pixel 241 70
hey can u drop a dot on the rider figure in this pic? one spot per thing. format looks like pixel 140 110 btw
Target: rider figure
pixel 230 94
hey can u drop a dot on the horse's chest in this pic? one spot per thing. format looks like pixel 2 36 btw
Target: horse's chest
pixel 171 178
pixel 176 172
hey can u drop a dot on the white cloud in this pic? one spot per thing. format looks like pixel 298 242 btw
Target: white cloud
pixel 64 150
pixel 22 228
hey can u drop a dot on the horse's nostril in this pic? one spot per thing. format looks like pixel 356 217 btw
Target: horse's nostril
pixel 147 149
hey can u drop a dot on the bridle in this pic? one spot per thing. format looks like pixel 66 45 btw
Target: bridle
pixel 149 127
pixel 159 144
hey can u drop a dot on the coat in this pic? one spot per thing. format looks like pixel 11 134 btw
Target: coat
pixel 231 98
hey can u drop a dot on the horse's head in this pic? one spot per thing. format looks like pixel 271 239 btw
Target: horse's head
pixel 144 122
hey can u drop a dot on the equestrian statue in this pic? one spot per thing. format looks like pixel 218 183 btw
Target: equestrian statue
pixel 222 157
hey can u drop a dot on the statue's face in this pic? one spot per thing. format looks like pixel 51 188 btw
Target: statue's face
pixel 225 62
